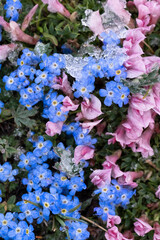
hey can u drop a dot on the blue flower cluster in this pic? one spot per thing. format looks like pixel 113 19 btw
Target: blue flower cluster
pixel 12 7
pixel 77 230
pixel 10 228
pixel 32 75
pixel 42 152
pixel 115 92
pixel 48 194
pixel 52 107
pixel 110 196
pixel 6 172
pixel 60 199
pixel 81 136
pixel 107 67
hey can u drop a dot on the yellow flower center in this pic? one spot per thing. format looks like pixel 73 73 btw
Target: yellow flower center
pixel 83 89
pixel 123 96
pixel 63 211
pixel 54 103
pixel 63 178
pixel 58 113
pixel 118 72
pixel 4 222
pixel 40 145
pixel 117 187
pixel 46 205
pixel 104 189
pixel 105 209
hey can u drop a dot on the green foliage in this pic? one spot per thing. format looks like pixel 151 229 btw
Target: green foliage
pixel 138 85
pixel 66 163
pixel 6 149
pixel 23 116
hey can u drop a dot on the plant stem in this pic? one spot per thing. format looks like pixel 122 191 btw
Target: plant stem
pixel 90 221
pixel 38 20
pixel 148 47
pixel 146 94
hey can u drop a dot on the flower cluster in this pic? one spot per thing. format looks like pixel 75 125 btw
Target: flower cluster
pixel 38 204
pixel 77 230
pixel 11 229
pixel 30 81
pixel 110 196
pixel 12 7
pixel 60 199
pixel 75 91
pixel 6 172
pixel 106 66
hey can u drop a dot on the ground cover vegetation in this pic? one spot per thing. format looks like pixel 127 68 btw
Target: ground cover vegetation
pixel 79 119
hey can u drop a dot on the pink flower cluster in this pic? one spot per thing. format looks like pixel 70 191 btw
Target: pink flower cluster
pixel 158 192
pixel 148 14
pixel 142 226
pixel 101 177
pixel 136 131
pixel 55 6
pixel 16 33
pixel 135 64
pixel 114 234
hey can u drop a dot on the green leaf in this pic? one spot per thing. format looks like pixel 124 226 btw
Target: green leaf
pixel 10 207
pixel 86 203
pixel 22 116
pixel 2 210
pixel 75 208
pixel 11 200
pixel 51 38
pixel 11 150
pixel 138 85
pixel 12 186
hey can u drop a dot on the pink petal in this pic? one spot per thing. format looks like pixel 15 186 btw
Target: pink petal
pixel 64 85
pixel 112 220
pixel 68 105
pixel 18 35
pixel 142 104
pixel 94 22
pixel 135 67
pixel 113 234
pixel 117 7
pixel 55 6
pixel 90 125
pixel 91 109
pixel 53 128
pixel 127 178
pixel 151 62
pixel 5 49
pixel 28 18
pixel 83 152
pixel 100 178
pixel 4 24
pixel 113 158
pixel 141 227
pixel 158 192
